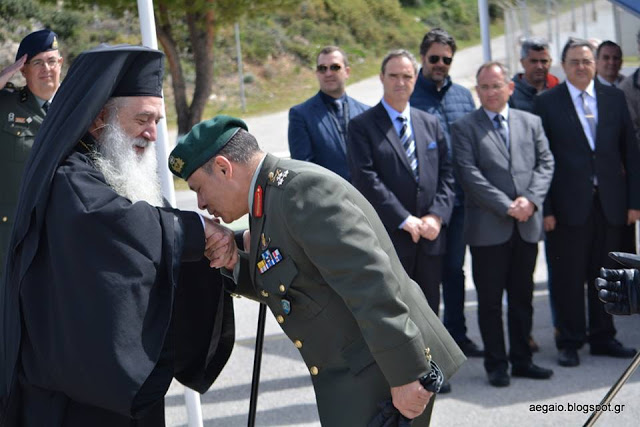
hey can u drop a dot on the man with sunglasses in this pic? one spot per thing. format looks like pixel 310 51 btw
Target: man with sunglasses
pixel 436 94
pixel 22 111
pixel 318 126
pixel 536 62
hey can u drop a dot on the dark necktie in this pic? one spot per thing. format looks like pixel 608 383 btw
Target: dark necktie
pixel 339 109
pixel 45 106
pixel 588 114
pixel 409 145
pixel 498 119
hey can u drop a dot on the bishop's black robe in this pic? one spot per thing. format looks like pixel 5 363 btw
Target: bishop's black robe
pixel 116 302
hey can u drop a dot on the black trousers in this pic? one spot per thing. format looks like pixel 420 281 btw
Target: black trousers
pixel 576 255
pixel 508 266
pixel 426 271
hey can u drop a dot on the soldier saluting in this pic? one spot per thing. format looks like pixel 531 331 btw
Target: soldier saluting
pixel 21 113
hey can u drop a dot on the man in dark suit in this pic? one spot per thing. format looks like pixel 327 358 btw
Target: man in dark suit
pixel 595 191
pixel 318 126
pixel 398 159
pixel 504 165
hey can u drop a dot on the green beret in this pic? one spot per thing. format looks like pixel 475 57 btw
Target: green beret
pixel 201 143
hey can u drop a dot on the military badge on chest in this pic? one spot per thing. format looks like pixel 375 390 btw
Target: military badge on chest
pixel 269 258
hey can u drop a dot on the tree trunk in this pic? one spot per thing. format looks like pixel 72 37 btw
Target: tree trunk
pixel 164 32
pixel 201 34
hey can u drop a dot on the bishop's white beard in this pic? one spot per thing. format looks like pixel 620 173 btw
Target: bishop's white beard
pixel 131 175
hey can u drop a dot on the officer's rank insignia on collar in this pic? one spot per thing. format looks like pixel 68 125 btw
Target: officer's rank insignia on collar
pixel 280 176
pixel 176 164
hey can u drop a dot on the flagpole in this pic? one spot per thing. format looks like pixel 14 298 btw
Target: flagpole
pixel 148 31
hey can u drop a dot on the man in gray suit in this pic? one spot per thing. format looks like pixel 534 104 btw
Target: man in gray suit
pixel 504 165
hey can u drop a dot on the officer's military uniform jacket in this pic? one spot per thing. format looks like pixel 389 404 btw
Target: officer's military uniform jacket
pixel 20 118
pixel 322 261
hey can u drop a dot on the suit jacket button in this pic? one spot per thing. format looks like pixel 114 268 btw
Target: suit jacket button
pixel 281 288
pixel 264 293
pixel 313 370
pixel 280 318
pixel 297 343
pixel 5 219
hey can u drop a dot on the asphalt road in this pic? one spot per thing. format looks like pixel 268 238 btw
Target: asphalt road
pixel 287 398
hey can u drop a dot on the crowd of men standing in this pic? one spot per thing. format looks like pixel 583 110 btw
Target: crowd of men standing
pixel 539 159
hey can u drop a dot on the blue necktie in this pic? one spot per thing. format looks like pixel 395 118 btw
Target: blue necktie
pixel 498 119
pixel 409 145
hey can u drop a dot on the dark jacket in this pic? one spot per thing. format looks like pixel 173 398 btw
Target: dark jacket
pixel 314 136
pixel 381 171
pixel 524 94
pixel 448 104
pixel 614 161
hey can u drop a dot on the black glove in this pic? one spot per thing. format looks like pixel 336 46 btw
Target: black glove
pixel 619 289
pixel 433 380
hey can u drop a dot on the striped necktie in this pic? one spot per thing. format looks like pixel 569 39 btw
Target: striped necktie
pixel 409 145
pixel 45 106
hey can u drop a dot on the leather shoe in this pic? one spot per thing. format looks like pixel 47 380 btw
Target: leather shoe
pixel 613 348
pixel 470 349
pixel 531 371
pixel 445 387
pixel 568 357
pixel 499 378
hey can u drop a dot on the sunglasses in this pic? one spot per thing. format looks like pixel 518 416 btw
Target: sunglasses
pixel 333 67
pixel 433 59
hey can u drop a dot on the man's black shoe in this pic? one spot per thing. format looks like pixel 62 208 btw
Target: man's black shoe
pixel 531 371
pixel 498 378
pixel 470 349
pixel 613 348
pixel 568 357
pixel 445 387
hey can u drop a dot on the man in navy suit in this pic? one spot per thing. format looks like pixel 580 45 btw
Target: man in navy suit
pixel 318 126
pixel 595 191
pixel 398 160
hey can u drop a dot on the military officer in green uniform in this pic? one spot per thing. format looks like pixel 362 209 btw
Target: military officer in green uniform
pixel 322 261
pixel 21 113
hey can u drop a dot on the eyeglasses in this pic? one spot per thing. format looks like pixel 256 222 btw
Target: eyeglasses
pixel 433 59
pixel 578 62
pixel 39 63
pixel 333 67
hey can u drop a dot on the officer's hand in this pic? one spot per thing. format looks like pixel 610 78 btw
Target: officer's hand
pixel 8 72
pixel 410 399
